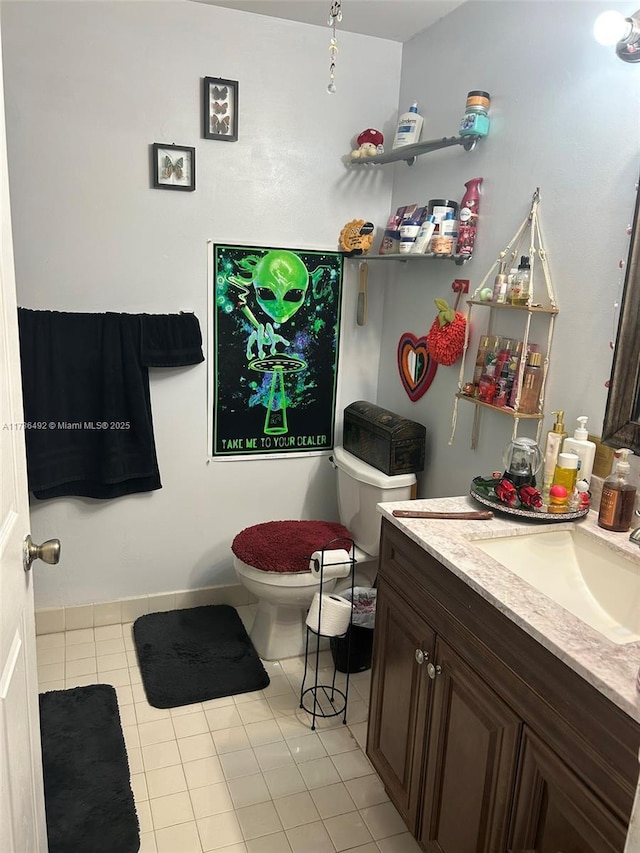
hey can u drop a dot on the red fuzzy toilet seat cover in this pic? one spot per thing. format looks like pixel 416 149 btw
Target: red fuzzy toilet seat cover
pixel 286 546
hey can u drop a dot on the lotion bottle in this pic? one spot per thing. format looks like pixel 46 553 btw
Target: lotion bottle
pixel 618 496
pixel 585 449
pixel 409 127
pixel 555 437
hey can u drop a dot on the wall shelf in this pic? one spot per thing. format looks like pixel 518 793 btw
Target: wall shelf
pixel 458 259
pixel 410 152
pixel 500 306
pixel 504 410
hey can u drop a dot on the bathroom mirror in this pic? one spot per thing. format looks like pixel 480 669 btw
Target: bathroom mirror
pixel 621 426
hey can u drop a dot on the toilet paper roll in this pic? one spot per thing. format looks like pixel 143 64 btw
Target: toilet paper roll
pixel 334 564
pixel 329 615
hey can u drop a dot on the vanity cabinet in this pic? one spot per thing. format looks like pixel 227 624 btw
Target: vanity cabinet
pixel 484 740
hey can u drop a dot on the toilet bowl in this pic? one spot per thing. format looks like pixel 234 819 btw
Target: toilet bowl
pixel 271 560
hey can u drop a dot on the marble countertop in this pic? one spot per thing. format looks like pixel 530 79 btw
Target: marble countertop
pixel 610 667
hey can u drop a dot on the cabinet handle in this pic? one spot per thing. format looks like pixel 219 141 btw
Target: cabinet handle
pixel 432 670
pixel 421 656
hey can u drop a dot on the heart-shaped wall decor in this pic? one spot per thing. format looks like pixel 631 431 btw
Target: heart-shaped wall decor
pixel 415 365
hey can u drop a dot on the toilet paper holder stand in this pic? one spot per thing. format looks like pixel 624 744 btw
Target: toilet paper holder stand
pixel 320 699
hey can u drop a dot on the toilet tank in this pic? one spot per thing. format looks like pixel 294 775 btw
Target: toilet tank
pixel 360 488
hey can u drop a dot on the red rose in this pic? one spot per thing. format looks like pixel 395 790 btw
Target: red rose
pixel 506 492
pixel 530 496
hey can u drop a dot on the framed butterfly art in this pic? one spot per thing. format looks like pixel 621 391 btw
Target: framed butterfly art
pixel 220 109
pixel 173 167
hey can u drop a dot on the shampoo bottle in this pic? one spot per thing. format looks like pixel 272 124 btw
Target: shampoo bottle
pixel 618 496
pixel 555 437
pixel 468 224
pixel 409 127
pixel 585 449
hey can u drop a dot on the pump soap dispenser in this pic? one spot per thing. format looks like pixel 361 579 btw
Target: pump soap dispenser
pixel 618 496
pixel 585 449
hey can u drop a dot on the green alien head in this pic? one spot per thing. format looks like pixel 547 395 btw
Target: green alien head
pixel 280 280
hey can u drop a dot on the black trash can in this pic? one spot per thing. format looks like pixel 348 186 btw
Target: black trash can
pixel 352 653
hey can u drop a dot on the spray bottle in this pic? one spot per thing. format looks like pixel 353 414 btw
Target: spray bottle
pixel 469 209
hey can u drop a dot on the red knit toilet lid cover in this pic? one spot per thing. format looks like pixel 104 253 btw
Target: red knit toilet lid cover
pixel 286 546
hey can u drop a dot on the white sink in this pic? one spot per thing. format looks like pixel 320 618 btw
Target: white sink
pixel 595 583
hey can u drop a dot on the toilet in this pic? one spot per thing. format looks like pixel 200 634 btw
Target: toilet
pixel 271 560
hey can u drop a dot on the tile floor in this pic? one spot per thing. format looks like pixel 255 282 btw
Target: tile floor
pixel 242 774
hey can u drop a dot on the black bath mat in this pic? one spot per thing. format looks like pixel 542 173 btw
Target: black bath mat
pixel 193 655
pixel 87 790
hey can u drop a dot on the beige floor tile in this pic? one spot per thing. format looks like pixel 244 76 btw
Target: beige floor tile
pixel 366 791
pixel 210 800
pixel 272 755
pixel 107 663
pixel 359 731
pixel 81 635
pixel 186 709
pixel 276 843
pixel 219 831
pixel 312 838
pixel 110 647
pixel 166 780
pixel 284 781
pixel 383 820
pixel 336 741
pixel 128 715
pixel 222 718
pixel 56 671
pixel 156 731
pixel 170 810
pixel 348 830
pixel 83 666
pixel 158 755
pixel 240 763
pixel 187 725
pixel 184 838
pixel 264 732
pixel 243 698
pixel 350 765
pixel 296 810
pixel 259 819
pixel 332 800
pixel 306 748
pixel 139 787
pixel 319 773
pixel 204 771
pixel 248 790
pixel 255 712
pixel 404 843
pixel 45 641
pixel 278 686
pixel 231 740
pixel 124 693
pixel 144 816
pixel 136 764
pixel 197 746
pixel 51 654
pixel 108 632
pixel 46 686
pixel 148 843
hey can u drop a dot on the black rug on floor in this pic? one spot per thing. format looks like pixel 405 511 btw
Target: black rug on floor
pixel 87 789
pixel 193 655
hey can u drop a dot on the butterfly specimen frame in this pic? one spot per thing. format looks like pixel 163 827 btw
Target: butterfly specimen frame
pixel 173 167
pixel 220 109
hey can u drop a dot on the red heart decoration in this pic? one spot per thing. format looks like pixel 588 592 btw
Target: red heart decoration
pixel 417 368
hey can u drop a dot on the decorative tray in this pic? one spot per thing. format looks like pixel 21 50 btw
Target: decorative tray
pixel 541 514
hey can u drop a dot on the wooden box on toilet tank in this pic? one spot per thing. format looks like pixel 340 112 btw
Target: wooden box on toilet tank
pixel 384 440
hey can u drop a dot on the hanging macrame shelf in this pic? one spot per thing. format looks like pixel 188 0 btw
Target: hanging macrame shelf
pixel 537 254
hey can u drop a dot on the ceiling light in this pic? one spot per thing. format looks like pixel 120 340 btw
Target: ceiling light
pixel 613 28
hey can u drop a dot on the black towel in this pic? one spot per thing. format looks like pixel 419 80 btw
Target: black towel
pixel 89 427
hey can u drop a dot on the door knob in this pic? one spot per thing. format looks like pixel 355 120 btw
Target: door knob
pixel 48 552
pixel 421 656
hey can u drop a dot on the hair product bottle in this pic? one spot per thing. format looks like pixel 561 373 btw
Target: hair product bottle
pixel 468 224
pixel 552 447
pixel 566 473
pixel 618 496
pixel 585 449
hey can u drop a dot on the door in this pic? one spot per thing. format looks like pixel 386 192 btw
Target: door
pixel 554 810
pixel 403 645
pixel 22 816
pixel 471 761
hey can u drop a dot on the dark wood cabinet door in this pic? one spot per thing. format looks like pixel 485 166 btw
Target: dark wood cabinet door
pixel 471 762
pixel 554 811
pixel 399 698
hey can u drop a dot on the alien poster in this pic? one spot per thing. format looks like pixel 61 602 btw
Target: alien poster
pixel 275 341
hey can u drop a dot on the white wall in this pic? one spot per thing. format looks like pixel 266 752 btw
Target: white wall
pixel 89 86
pixel 564 117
